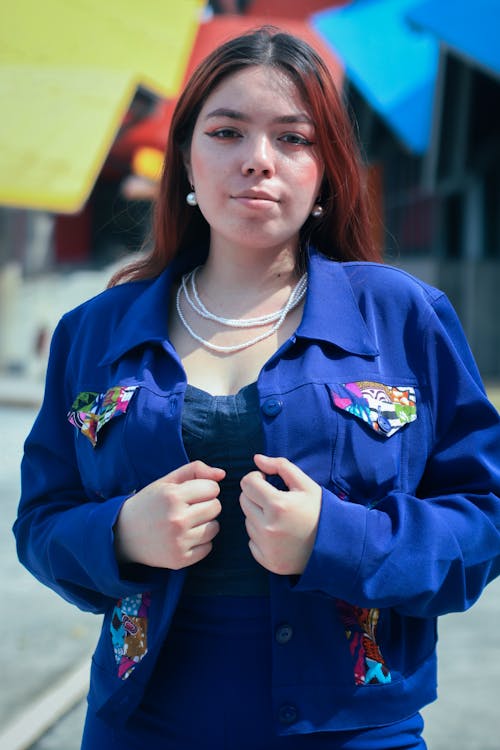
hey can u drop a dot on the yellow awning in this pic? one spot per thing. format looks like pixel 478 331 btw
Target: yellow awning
pixel 68 71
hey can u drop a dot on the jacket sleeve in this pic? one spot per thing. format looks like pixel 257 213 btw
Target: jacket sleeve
pixel 64 539
pixel 434 551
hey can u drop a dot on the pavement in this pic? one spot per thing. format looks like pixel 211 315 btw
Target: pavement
pixel 46 650
pixel 44 640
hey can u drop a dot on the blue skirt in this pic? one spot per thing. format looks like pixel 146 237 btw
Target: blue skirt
pixel 211 690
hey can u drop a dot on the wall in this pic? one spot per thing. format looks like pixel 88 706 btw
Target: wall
pixel 474 289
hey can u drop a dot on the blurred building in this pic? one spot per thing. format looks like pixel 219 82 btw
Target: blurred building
pixel 422 80
pixel 77 79
pixel 77 188
pixel 424 89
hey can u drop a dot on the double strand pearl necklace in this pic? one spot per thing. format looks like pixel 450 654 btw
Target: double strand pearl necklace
pixel 199 308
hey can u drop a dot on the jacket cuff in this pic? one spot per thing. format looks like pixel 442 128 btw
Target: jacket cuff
pixel 336 557
pixel 108 576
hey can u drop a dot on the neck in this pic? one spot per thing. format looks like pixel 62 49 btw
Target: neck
pixel 246 284
pixel 265 270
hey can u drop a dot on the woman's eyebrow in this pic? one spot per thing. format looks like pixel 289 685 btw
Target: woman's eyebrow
pixel 299 117
pixel 234 114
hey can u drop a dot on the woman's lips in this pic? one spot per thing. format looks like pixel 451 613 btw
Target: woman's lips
pixel 256 200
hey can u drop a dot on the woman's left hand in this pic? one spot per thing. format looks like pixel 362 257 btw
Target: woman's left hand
pixel 281 524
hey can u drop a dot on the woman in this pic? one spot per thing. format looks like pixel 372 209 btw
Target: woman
pixel 279 464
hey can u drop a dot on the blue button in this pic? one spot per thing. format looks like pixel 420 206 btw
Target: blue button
pixel 284 633
pixel 383 423
pixel 272 406
pixel 287 714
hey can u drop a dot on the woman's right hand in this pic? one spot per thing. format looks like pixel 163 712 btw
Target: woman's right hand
pixel 171 522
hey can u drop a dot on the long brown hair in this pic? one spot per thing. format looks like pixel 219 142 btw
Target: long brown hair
pixel 342 233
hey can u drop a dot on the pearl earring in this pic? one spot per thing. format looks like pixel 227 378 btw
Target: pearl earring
pixel 317 211
pixel 191 199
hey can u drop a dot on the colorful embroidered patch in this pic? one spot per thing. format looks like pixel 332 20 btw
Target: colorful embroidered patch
pixel 361 629
pixel 129 632
pixel 91 411
pixel 385 408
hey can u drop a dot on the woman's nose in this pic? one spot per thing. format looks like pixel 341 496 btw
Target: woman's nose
pixel 259 158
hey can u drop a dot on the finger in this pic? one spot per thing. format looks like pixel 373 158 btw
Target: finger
pixel 293 477
pixel 201 513
pixel 195 491
pixel 195 554
pixel 257 553
pixel 194 470
pixel 257 489
pixel 204 533
pixel 201 542
pixel 250 508
pixel 251 530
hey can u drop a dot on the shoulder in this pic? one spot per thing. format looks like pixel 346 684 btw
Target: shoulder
pixel 377 281
pixel 385 282
pixel 393 301
pixel 389 292
pixel 86 333
pixel 111 304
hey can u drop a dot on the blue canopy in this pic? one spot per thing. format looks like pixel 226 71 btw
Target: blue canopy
pixel 393 65
pixel 471 29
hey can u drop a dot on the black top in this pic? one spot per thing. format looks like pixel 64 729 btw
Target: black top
pixel 225 431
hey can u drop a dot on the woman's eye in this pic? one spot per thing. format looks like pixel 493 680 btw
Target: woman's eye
pixel 224 133
pixel 296 139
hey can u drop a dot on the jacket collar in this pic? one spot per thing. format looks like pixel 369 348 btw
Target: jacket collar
pixel 331 312
pixel 145 321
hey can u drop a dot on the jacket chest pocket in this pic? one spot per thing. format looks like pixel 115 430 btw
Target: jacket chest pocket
pixel 99 419
pixel 124 435
pixel 374 434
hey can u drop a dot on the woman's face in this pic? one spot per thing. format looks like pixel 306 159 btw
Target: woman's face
pixel 253 161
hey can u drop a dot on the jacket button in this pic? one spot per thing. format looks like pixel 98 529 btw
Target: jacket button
pixel 383 423
pixel 284 633
pixel 272 406
pixel 287 714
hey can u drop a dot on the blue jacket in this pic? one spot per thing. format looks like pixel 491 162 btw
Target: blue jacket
pixel 376 396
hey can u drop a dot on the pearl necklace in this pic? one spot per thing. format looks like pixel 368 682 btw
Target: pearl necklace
pixel 199 308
